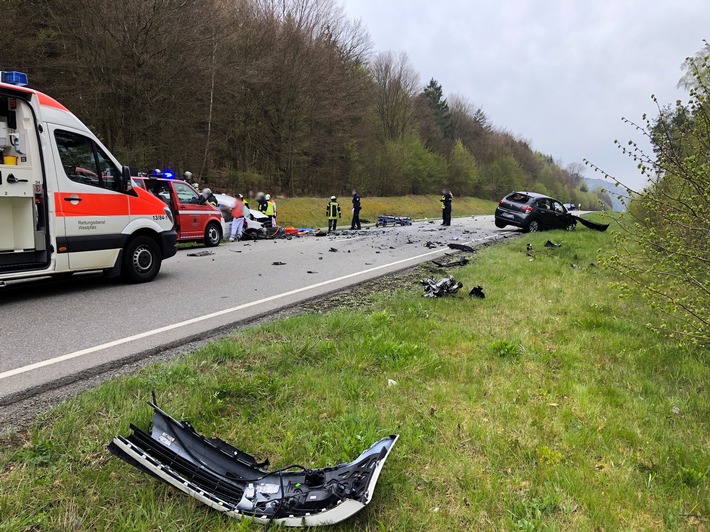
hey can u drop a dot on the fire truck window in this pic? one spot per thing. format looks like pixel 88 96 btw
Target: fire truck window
pixel 84 162
pixel 186 194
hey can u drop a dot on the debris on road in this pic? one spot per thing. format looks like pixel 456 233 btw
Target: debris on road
pixel 460 262
pixel 310 271
pixel 382 221
pixel 443 287
pixel 333 250
pixel 278 263
pixel 552 245
pixel 201 254
pixel 477 291
pixel 461 247
pixel 232 481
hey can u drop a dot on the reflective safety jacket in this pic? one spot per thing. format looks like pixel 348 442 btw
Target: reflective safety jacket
pixel 446 200
pixel 332 211
pixel 270 208
pixel 238 209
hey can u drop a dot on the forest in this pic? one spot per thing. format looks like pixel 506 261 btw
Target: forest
pixel 283 95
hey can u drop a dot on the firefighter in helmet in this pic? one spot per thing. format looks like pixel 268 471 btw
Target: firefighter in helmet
pixel 332 211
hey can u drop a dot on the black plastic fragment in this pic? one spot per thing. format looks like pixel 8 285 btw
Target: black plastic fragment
pixel 477 291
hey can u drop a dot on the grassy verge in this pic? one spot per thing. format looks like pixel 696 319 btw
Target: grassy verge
pixel 547 405
pixel 310 212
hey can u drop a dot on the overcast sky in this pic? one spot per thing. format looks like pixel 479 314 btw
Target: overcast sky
pixel 558 73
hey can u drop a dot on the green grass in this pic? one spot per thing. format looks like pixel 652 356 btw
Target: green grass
pixel 310 212
pixel 548 405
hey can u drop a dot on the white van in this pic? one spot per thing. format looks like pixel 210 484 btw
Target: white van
pixel 66 205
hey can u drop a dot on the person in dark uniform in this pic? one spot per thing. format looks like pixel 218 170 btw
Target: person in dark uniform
pixel 446 200
pixel 332 211
pixel 355 224
pixel 208 197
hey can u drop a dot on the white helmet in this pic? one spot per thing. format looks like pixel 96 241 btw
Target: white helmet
pixel 333 198
pixel 268 197
pixel 206 192
pixel 187 175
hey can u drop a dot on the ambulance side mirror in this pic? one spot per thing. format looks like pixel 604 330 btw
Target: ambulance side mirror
pixel 125 179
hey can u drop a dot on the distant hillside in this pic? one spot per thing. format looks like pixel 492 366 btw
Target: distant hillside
pixel 614 192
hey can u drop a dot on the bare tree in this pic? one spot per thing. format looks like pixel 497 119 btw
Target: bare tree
pixel 396 83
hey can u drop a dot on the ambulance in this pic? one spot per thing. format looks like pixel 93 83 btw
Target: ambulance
pixel 66 205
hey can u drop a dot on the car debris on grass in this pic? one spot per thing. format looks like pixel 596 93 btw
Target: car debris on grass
pixel 234 482
pixel 462 261
pixel 439 288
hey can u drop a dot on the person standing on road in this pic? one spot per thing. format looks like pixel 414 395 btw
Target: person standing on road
pixel 270 209
pixel 446 200
pixel 237 219
pixel 332 211
pixel 355 224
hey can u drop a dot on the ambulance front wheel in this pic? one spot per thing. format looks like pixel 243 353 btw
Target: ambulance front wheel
pixel 141 260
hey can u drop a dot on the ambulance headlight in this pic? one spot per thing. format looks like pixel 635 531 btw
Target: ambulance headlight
pixel 169 214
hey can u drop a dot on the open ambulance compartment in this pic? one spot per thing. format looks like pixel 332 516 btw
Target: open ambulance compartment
pixel 24 228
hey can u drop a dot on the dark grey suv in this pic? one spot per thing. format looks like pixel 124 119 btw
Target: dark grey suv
pixel 533 212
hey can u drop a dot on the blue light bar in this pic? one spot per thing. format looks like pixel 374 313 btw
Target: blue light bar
pixel 168 174
pixel 14 78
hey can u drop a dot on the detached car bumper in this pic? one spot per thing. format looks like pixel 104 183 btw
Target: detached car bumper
pixel 233 482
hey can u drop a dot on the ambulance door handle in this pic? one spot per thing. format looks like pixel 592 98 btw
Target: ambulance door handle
pixel 12 179
pixel 73 197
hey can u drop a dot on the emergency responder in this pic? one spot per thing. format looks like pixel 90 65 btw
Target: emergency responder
pixel 446 200
pixel 355 224
pixel 208 197
pixel 187 177
pixel 261 202
pixel 244 200
pixel 332 211
pixel 237 219
pixel 270 209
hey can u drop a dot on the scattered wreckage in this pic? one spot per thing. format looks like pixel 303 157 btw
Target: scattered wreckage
pixel 383 221
pixel 448 286
pixel 439 288
pixel 461 261
pixel 233 482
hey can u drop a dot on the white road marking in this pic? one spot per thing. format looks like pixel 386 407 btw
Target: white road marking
pixel 192 321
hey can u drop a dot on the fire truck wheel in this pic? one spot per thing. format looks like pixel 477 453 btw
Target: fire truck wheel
pixel 213 235
pixel 141 260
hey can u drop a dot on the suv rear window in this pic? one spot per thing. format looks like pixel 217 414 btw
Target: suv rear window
pixel 517 197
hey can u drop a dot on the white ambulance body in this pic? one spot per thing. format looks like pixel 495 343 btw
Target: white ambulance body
pixel 66 205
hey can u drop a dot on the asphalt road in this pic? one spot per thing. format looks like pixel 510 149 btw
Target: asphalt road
pixel 54 332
